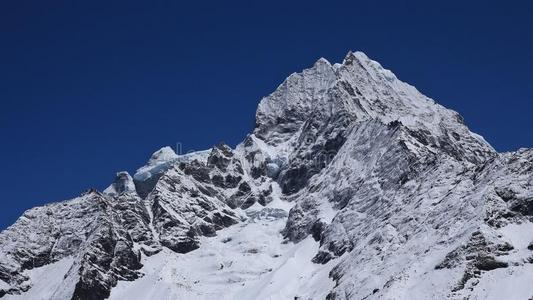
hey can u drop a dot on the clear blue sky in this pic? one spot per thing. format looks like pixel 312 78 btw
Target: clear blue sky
pixel 89 88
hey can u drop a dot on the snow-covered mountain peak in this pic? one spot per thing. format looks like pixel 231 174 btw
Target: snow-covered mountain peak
pixel 361 89
pixel 163 158
pixel 123 183
pixel 162 155
pixel 322 61
pixel 158 159
pixel 353 185
pixel 355 57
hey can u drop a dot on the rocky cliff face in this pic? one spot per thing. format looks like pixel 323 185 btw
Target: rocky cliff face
pixel 352 185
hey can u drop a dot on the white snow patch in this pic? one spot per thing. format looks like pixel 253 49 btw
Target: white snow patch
pixel 45 281
pixel 508 283
pixel 245 261
pixel 3 285
pixel 162 159
pixel 129 186
pixel 297 277
pixel 518 235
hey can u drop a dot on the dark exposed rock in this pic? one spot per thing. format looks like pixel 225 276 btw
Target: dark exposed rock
pixel 207 190
pixel 317 229
pixel 423 136
pixel 244 187
pixel 109 258
pixel 182 246
pixel 294 179
pixel 224 219
pixel 522 206
pixel 218 180
pixel 220 157
pixel 487 263
pixel 146 186
pixel 331 296
pixel 232 181
pixel 503 249
pixel 322 257
pixel 505 193
pixel 394 124
pixel 313 156
pixel 198 171
pixel 251 200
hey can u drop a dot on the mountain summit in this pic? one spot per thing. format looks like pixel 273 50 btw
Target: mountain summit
pixel 352 185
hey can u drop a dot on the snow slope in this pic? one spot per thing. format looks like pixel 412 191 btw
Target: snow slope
pixel 47 281
pixel 245 261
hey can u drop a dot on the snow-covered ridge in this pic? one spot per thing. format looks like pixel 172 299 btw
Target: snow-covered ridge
pixel 352 185
pixel 123 184
pixel 163 158
pixel 361 89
